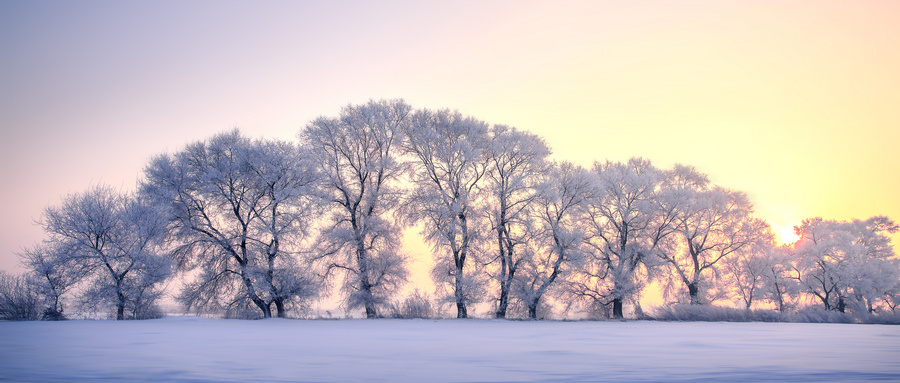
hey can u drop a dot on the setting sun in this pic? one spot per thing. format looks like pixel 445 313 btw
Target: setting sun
pixel 785 234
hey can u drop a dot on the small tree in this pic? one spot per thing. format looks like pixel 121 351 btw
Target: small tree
pixel 746 273
pixel 19 300
pixel 113 241
pixel 52 275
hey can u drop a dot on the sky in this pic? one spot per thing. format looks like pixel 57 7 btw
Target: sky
pixel 796 103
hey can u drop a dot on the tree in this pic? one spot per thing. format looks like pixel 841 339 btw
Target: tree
pixel 516 160
pixel 358 156
pixel 713 223
pixel 19 299
pixel 51 275
pixel 449 162
pixel 113 241
pixel 625 225
pixel 747 272
pixel 239 210
pixel 779 284
pixel 847 263
pixel 555 248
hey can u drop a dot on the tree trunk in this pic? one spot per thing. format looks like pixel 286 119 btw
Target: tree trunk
pixel 532 308
pixel 120 301
pixel 617 308
pixel 504 286
pixel 279 307
pixel 694 291
pixel 461 311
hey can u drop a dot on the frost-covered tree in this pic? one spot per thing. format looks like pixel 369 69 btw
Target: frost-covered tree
pixel 779 282
pixel 239 210
pixel 51 274
pixel 746 273
pixel 516 162
pixel 19 299
pixel 712 223
pixel 113 240
pixel 357 154
pixel 449 162
pixel 625 225
pixel 554 250
pixel 847 263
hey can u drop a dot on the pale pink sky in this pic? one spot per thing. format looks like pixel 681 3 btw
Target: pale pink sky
pixel 796 103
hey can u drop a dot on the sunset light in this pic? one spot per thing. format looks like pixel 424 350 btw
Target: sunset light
pixel 488 159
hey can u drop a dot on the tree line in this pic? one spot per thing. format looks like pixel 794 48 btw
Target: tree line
pixel 265 227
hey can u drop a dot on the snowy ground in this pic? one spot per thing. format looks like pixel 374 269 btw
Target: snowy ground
pixel 189 349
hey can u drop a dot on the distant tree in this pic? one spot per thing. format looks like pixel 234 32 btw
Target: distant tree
pixel 555 249
pixel 746 273
pixel 779 283
pixel 625 224
pixel 847 263
pixel 516 162
pixel 113 240
pixel 713 223
pixel 52 275
pixel 19 300
pixel 417 305
pixel 449 162
pixel 357 154
pixel 239 210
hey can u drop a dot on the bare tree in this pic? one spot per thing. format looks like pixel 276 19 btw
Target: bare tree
pixel 113 239
pixel 555 249
pixel 358 156
pixel 516 162
pixel 448 165
pixel 239 210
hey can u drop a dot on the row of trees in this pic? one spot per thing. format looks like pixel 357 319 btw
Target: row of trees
pixel 268 226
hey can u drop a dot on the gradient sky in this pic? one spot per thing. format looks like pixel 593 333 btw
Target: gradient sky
pixel 796 103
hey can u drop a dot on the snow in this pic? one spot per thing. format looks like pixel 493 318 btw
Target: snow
pixel 191 349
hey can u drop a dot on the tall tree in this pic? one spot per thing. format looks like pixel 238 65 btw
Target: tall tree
pixel 555 248
pixel 448 165
pixel 113 240
pixel 516 161
pixel 625 226
pixel 358 156
pixel 239 211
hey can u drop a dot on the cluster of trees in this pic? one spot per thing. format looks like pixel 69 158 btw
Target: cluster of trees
pixel 265 227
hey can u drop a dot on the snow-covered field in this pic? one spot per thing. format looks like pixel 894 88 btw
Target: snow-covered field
pixel 190 349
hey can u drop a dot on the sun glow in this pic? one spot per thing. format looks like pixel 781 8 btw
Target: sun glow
pixel 786 234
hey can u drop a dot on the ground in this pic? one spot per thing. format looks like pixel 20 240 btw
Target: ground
pixel 190 349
